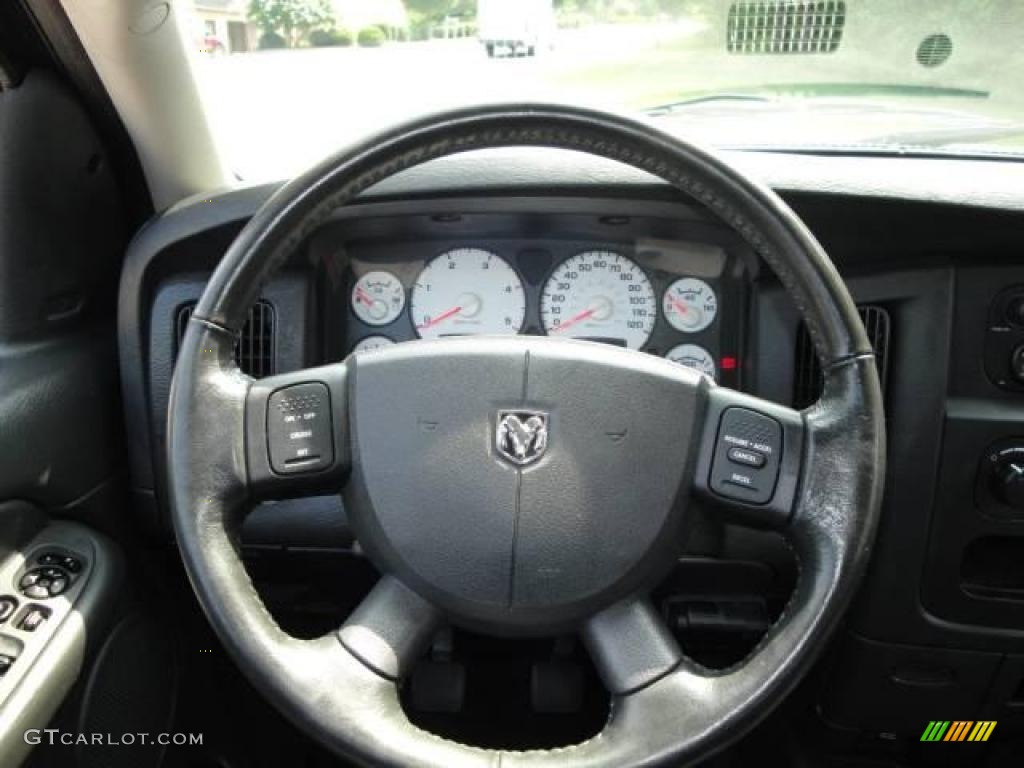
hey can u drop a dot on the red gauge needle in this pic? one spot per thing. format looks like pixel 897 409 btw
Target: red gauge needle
pixel 435 320
pixel 361 296
pixel 577 318
pixel 680 307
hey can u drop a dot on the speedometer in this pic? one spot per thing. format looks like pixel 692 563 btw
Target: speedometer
pixel 599 295
pixel 467 291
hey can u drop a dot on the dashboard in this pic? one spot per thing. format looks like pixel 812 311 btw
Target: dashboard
pixel 534 245
pixel 635 280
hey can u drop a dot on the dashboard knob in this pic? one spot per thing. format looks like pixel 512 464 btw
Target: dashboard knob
pixel 1015 311
pixel 1017 363
pixel 1008 481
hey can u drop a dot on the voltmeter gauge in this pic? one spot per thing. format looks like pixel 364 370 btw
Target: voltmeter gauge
pixel 378 298
pixel 370 343
pixel 693 356
pixel 690 305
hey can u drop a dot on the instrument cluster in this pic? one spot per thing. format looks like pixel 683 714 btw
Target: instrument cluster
pixel 637 298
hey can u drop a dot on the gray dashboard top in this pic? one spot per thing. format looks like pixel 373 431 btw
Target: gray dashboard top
pixel 984 183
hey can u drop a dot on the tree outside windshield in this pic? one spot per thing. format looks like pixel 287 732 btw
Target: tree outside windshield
pixel 287 81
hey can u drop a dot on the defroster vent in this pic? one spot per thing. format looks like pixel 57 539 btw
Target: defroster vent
pixel 807 376
pixel 254 350
pixel 785 27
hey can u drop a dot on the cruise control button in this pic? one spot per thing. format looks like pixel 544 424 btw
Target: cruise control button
pixel 37 592
pixel 740 479
pixel 57 586
pixel 72 564
pixel 299 429
pixel 29 579
pixel 746 462
pixel 747 458
pixel 48 558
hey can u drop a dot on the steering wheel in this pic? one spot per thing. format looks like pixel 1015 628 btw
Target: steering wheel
pixel 523 485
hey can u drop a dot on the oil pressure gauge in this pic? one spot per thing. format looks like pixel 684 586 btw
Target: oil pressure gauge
pixel 378 298
pixel 372 343
pixel 693 356
pixel 690 305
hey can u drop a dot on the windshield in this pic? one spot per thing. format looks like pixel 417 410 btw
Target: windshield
pixel 285 82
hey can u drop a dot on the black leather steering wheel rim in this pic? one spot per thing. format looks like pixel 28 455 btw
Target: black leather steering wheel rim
pixel 340 687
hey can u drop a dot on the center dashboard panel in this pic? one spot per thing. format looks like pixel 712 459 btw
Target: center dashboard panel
pixel 661 277
pixel 662 281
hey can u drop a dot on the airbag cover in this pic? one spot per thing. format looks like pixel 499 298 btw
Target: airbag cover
pixel 509 546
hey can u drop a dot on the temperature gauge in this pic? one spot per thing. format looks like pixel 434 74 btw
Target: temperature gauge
pixel 693 356
pixel 690 305
pixel 378 298
pixel 370 343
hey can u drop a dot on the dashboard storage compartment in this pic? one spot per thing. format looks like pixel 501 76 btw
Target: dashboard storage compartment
pixel 993 567
pixel 888 688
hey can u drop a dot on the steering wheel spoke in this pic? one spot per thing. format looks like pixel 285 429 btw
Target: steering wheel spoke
pixel 631 646
pixel 390 628
pixel 296 433
pixel 750 458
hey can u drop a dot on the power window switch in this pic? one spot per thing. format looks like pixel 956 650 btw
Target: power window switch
pixel 35 616
pixel 37 592
pixel 8 605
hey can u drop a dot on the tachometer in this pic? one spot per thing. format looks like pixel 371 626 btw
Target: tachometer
pixel 378 298
pixel 467 291
pixel 599 295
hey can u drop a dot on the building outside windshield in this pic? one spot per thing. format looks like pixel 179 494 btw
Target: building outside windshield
pixel 285 82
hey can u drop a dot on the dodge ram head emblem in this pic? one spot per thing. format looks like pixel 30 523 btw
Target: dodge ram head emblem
pixel 522 436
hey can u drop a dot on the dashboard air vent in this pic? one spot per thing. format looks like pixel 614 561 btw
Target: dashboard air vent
pixel 786 27
pixel 254 350
pixel 807 381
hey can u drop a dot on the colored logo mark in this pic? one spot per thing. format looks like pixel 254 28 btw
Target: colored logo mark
pixel 958 730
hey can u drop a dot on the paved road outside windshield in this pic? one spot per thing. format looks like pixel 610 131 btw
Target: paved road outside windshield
pixel 277 112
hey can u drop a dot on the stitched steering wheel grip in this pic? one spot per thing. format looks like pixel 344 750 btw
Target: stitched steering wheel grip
pixel 557 546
